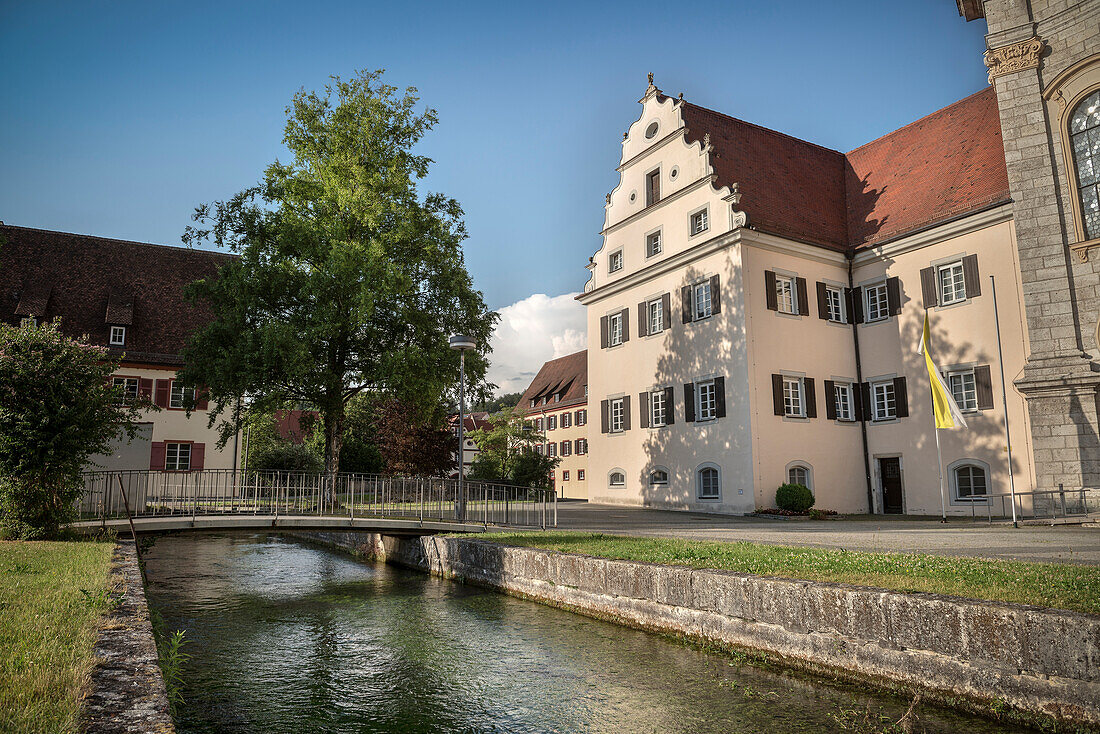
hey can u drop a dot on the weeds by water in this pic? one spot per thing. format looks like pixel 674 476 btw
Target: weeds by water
pixel 172 659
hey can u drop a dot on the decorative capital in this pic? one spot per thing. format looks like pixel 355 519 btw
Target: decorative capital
pixel 1013 57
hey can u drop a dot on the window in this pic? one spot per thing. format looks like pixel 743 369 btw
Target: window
pixel 657 408
pixel 617 415
pixel 565 476
pixel 582 417
pixel 655 316
pixel 118 336
pixel 877 302
pixel 615 261
pixel 703 306
pixel 964 389
pixel 580 475
pixel 793 404
pixel 551 422
pixel 653 187
pixel 842 401
pixel 1084 130
pixel 557 397
pixel 884 401
pixel 658 478
pixel 551 449
pixel 616 478
pixel 566 420
pixel 834 304
pixel 971 483
pixel 538 449
pixel 708 406
pixel 615 329
pixel 566 448
pixel 653 244
pixel 952 283
pixel 128 387
pixel 709 487
pixel 181 396
pixel 697 223
pixel 539 425
pixel 582 446
pixel 532 402
pixel 651 130
pixel 177 457
pixel 785 297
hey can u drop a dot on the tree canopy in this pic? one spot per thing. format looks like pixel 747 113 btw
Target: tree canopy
pixel 506 451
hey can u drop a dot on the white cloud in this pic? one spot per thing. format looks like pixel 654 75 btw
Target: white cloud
pixel 532 331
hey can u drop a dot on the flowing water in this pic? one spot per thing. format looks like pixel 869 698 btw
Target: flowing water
pixel 290 637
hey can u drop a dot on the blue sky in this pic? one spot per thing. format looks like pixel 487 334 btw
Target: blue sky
pixel 118 118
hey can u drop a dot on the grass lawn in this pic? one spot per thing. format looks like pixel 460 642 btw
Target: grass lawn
pixel 47 630
pixel 1073 587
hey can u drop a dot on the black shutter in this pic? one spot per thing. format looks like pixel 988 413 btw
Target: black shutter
pixel 715 295
pixel 853 299
pixel 643 410
pixel 577 446
pixel 822 301
pixel 643 319
pixel 811 397
pixel 603 332
pixel 865 396
pixel 777 394
pixel 685 303
pixel 893 296
pixel 604 426
pixel 803 301
pixel 984 387
pixel 830 400
pixel 666 311
pixel 626 412
pixel 689 402
pixel 625 315
pixel 720 397
pixel 769 290
pixel 928 287
pixel 970 276
pixel 857 401
pixel 670 406
pixel 901 398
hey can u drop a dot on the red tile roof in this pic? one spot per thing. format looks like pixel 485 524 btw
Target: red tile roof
pixel 565 375
pixel 87 281
pixel 947 164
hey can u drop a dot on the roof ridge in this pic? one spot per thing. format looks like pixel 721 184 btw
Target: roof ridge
pixel 918 120
pixel 765 129
pixel 176 248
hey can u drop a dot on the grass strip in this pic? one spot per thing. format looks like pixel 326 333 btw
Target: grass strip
pixel 52 595
pixel 1061 586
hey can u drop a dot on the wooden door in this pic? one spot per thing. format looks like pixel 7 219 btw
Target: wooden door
pixel 890 472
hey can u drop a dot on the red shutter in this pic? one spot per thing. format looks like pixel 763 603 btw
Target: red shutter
pixel 156 456
pixel 145 388
pixel 202 400
pixel 161 398
pixel 198 456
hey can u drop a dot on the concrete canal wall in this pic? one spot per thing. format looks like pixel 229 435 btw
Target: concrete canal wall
pixel 1037 660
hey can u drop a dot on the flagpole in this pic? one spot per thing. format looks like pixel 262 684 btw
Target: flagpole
pixel 1004 402
pixel 939 466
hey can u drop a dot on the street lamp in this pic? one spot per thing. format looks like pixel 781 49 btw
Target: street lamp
pixel 461 343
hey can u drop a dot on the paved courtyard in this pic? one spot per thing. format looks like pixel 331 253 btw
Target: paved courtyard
pixel 960 537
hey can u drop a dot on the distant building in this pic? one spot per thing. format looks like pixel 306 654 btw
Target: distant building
pixel 128 297
pixel 473 421
pixel 556 403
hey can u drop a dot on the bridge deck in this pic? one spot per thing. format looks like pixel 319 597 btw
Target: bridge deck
pixel 388 526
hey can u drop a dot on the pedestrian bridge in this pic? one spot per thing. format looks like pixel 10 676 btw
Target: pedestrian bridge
pixel 158 501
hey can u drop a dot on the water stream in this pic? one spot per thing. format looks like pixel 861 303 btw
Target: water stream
pixel 289 637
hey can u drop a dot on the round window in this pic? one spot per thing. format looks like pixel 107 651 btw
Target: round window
pixel 633 196
pixel 674 172
pixel 651 130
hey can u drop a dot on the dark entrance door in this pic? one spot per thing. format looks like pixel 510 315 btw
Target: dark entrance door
pixel 890 471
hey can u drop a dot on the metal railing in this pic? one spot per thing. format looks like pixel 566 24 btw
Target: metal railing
pixel 144 493
pixel 1045 504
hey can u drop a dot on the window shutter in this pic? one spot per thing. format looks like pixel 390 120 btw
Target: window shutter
pixel 720 397
pixel 769 291
pixel 202 399
pixel 643 320
pixel 577 446
pixel 198 456
pixel 803 301
pixel 715 295
pixel 603 332
pixel 970 276
pixel 928 287
pixel 984 386
pixel 857 402
pixel 666 312
pixel 853 299
pixel 830 400
pixel 643 409
pixel 626 412
pixel 865 395
pixel 893 296
pixel 162 393
pixel 811 397
pixel 625 315
pixel 156 456
pixel 901 397
pixel 689 402
pixel 145 388
pixel 777 394
pixel 603 416
pixel 670 406
pixel 685 303
pixel 822 301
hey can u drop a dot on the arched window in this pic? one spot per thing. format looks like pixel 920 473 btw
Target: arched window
pixel 658 477
pixel 616 478
pixel 971 481
pixel 708 482
pixel 799 472
pixel 1084 131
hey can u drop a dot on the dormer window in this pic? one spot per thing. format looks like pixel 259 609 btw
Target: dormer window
pixel 118 336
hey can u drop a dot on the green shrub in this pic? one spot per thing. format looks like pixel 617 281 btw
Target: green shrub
pixel 794 497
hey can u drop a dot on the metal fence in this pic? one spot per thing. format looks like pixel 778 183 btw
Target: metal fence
pixel 1041 504
pixel 143 493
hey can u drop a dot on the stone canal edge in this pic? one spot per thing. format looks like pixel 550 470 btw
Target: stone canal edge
pixel 977 655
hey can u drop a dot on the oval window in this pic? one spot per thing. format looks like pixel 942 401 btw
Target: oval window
pixel 651 130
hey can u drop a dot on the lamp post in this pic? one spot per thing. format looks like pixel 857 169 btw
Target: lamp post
pixel 461 343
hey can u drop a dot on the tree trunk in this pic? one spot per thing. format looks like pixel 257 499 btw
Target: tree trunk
pixel 333 420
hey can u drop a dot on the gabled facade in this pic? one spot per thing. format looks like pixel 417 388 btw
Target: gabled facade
pixel 475 421
pixel 556 405
pixel 128 297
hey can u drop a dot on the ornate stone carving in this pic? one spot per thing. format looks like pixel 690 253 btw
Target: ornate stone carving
pixel 1013 57
pixel 739 219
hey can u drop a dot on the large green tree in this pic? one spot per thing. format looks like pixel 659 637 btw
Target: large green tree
pixel 349 281
pixel 506 450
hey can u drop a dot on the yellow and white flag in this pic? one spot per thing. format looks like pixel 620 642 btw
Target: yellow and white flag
pixel 944 406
